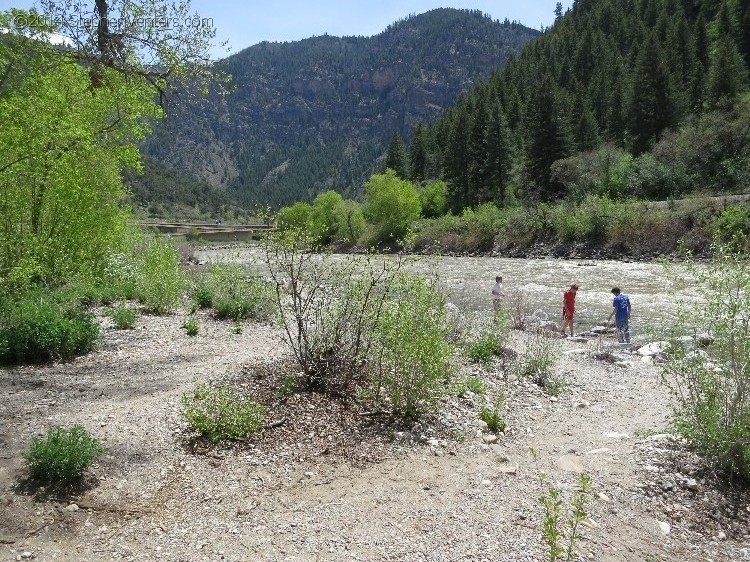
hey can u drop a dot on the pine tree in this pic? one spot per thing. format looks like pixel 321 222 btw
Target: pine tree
pixel 456 159
pixel 728 74
pixel 743 21
pixel 478 148
pixel 396 158
pixel 499 155
pixel 651 106
pixel 547 137
pixel 418 155
pixel 585 129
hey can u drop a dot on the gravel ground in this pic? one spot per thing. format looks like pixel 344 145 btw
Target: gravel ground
pixel 362 489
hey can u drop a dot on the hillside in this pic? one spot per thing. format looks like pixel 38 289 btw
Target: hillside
pixel 316 114
pixel 620 98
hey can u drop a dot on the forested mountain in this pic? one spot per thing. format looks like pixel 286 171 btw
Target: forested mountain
pixel 638 98
pixel 318 114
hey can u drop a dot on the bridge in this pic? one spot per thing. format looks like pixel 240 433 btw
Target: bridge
pixel 208 231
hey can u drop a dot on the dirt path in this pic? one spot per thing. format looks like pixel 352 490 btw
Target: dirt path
pixel 448 499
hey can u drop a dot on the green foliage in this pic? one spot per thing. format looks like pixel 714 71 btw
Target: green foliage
pixel 349 221
pixel 392 205
pixel 40 326
pixel 322 216
pixel 236 295
pixel 298 216
pixel 415 358
pixel 434 199
pixel 471 384
pixel 732 225
pixel 490 341
pixel 221 413
pixel 202 294
pixel 554 520
pixel 493 415
pixel 191 326
pixel 63 455
pixel 537 363
pixel 711 405
pixel 160 282
pixel 124 317
pixel 362 325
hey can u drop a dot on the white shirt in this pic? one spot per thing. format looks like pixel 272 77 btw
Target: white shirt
pixel 497 292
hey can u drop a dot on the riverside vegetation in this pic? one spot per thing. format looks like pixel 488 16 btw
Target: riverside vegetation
pixel 360 334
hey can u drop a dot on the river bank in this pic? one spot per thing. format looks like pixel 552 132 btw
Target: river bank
pixel 442 490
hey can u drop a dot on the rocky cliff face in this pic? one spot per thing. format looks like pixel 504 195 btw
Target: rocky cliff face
pixel 318 114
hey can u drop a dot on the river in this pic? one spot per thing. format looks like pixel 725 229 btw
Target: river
pixel 468 281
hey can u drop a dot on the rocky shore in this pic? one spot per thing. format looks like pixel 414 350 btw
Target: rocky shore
pixel 330 485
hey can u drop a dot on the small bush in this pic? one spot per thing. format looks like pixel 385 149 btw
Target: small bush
pixel 237 296
pixel 202 295
pixel 38 328
pixel 415 361
pixel 711 404
pixel 160 280
pixel 471 384
pixel 490 342
pixel 493 415
pixel 221 412
pixel 63 456
pixel 124 317
pixel 191 326
pixel 537 362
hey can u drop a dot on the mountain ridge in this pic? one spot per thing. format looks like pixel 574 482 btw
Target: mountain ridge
pixel 318 113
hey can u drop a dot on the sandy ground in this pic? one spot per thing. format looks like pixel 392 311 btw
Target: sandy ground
pixel 451 496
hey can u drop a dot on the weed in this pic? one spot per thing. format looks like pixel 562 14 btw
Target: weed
pixel 493 416
pixel 63 455
pixel 537 363
pixel 471 384
pixel 124 317
pixel 191 326
pixel 221 412
pixel 555 520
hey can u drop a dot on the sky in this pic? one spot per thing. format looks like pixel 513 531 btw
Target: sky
pixel 246 23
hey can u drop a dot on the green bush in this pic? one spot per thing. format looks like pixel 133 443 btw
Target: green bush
pixel 537 363
pixel 490 342
pixel 238 296
pixel 493 415
pixel 124 317
pixel 711 402
pixel 202 295
pixel 160 280
pixel 38 327
pixel 415 358
pixel 191 326
pixel 471 384
pixel 63 456
pixel 221 412
pixel 392 205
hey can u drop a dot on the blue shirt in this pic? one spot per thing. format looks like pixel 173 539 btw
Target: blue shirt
pixel 620 303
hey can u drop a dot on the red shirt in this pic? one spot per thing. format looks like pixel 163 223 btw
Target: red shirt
pixel 569 300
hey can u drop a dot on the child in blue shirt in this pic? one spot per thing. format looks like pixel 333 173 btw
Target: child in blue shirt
pixel 621 312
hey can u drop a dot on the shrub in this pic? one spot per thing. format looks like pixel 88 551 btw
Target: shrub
pixel 415 358
pixel 63 456
pixel 392 205
pixel 238 296
pixel 361 325
pixel 38 328
pixel 491 340
pixel 471 384
pixel 711 404
pixel 160 280
pixel 124 317
pixel 537 362
pixel 191 326
pixel 493 415
pixel 202 295
pixel 221 412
